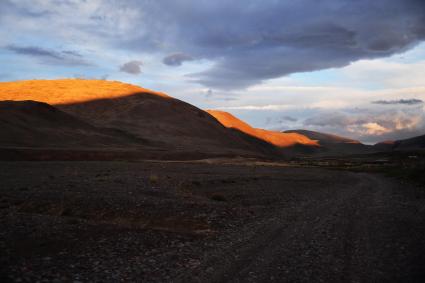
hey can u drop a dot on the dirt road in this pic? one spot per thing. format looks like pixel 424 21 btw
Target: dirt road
pixel 183 222
pixel 368 231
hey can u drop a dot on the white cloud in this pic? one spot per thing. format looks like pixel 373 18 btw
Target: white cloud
pixel 385 73
pixel 374 129
pixel 272 107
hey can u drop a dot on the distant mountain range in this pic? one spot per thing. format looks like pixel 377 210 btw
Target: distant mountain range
pixel 415 143
pixel 97 115
pixel 334 145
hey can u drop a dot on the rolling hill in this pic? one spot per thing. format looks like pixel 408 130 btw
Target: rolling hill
pixel 124 110
pixel 324 138
pixel 107 115
pixel 334 145
pixel 415 143
pixel 37 124
pixel 282 140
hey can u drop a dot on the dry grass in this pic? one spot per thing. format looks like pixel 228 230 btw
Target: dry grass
pixel 68 91
pixel 153 179
pixel 276 138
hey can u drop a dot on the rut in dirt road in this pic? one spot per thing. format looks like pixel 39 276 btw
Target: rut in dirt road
pixel 365 232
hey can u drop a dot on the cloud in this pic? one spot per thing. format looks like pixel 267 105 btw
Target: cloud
pixel 333 119
pixel 176 59
pixel 374 129
pixel 132 67
pixel 34 51
pixel 280 122
pixel 289 118
pixel 243 42
pixel 371 125
pixel 72 53
pixel 274 107
pixel 49 56
pixel 286 37
pixel 87 77
pixel 209 93
pixel 411 101
pixel 33 11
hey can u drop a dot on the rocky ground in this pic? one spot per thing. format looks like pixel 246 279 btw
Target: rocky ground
pixel 206 222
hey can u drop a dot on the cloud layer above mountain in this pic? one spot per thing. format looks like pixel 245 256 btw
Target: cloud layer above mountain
pixel 371 125
pixel 411 101
pixel 247 42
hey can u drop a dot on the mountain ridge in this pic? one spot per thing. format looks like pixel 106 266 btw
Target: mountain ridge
pixel 101 114
pixel 173 125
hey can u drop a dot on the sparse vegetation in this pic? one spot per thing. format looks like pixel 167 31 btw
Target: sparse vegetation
pixel 153 179
pixel 161 216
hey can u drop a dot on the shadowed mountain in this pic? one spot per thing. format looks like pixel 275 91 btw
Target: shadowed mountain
pixel 334 145
pixel 105 115
pixel 151 117
pixel 415 143
pixel 324 138
pixel 37 124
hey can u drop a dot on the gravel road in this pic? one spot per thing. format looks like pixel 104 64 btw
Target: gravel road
pixel 371 230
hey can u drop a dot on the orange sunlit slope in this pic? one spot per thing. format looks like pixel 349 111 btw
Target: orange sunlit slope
pixel 68 91
pixel 275 138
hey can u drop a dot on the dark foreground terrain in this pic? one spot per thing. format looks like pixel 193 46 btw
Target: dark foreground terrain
pixel 206 222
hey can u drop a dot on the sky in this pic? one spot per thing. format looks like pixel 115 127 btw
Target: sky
pixel 352 68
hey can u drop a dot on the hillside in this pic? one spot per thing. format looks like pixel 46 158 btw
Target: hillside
pixel 324 138
pixel 153 117
pixel 276 138
pixel 69 91
pixel 37 124
pixel 334 145
pixel 102 115
pixel 415 143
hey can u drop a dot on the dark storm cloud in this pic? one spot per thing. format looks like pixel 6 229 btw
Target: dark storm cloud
pixel 411 101
pixel 48 56
pixel 252 41
pixel 34 51
pixel 176 59
pixel 132 67
pixel 245 41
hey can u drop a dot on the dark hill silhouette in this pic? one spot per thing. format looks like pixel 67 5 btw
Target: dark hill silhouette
pixel 415 143
pixel 334 145
pixel 324 138
pixel 37 124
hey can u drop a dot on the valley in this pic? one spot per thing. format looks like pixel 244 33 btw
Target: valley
pixel 207 221
pixel 109 182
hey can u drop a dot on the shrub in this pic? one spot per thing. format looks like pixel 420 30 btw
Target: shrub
pixel 153 178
